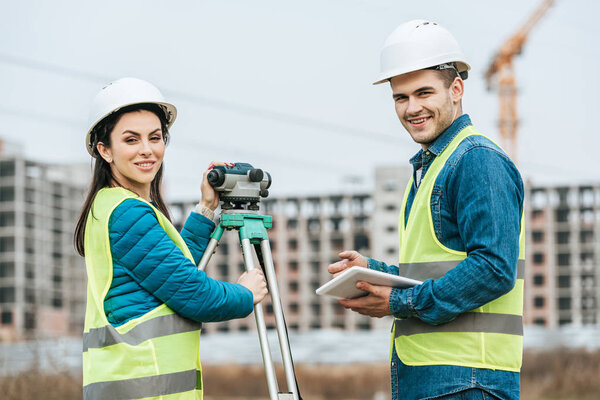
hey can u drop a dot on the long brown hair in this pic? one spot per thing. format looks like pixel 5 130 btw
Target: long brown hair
pixel 102 176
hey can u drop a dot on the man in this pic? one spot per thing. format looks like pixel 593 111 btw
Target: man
pixel 458 335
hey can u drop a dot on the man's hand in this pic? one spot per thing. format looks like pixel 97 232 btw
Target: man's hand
pixel 350 258
pixel 375 304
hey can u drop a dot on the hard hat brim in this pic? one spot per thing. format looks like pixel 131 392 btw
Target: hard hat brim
pixel 385 77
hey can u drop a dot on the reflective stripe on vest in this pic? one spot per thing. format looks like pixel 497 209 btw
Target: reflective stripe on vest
pixel 467 322
pixel 490 336
pixel 156 327
pixel 154 355
pixel 160 385
pixel 437 269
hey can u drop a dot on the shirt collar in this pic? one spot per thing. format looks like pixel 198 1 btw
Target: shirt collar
pixel 444 139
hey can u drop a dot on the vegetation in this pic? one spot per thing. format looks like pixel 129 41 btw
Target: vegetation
pixel 549 375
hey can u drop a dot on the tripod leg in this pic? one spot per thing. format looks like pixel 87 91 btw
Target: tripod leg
pixel 262 329
pixel 210 249
pixel 211 246
pixel 282 333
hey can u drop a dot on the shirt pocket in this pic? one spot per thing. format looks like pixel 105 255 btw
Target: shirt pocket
pixel 436 211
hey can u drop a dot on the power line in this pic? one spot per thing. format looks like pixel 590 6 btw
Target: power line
pixel 30 115
pixel 206 101
pixel 278 159
pixel 283 117
pixel 190 144
pixel 55 69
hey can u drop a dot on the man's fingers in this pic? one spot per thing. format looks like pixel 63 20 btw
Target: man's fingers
pixel 347 254
pixel 354 305
pixel 337 267
pixel 367 287
pixel 333 268
pixel 345 303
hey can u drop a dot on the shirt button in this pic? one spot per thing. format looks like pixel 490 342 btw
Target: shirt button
pixel 428 153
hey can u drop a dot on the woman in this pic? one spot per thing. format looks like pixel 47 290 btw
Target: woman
pixel 145 299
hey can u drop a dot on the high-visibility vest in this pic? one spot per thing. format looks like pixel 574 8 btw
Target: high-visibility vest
pixel 155 356
pixel 490 336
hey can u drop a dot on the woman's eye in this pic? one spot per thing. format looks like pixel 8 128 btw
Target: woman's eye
pixel 130 140
pixel 156 138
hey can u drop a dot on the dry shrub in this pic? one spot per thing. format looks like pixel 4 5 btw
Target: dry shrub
pixel 550 374
pixel 561 374
pixel 33 385
pixel 558 374
pixel 359 381
pixel 352 382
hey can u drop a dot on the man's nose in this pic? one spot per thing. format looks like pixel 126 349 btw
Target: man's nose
pixel 414 106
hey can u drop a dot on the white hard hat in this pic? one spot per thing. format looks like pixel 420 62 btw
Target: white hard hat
pixel 121 93
pixel 419 44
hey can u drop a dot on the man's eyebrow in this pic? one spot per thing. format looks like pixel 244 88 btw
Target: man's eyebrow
pixel 421 89
pixel 424 89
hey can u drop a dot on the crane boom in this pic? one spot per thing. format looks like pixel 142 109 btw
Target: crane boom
pixel 501 74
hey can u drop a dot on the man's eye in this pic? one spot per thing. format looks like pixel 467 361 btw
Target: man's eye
pixel 425 93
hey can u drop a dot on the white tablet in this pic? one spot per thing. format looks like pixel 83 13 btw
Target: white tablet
pixel 343 286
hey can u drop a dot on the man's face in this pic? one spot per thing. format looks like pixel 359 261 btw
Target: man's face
pixel 425 106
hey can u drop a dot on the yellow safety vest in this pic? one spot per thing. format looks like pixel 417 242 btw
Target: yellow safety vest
pixel 155 356
pixel 490 336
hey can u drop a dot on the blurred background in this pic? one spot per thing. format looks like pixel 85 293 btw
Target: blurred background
pixel 286 86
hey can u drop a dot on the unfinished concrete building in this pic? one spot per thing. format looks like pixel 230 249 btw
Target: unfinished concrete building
pixel 42 279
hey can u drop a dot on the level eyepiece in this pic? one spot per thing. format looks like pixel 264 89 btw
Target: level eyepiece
pixel 216 177
pixel 239 186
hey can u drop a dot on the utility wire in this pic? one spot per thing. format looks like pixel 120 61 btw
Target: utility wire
pixel 276 158
pixel 187 144
pixel 52 68
pixel 30 115
pixel 206 101
pixel 284 117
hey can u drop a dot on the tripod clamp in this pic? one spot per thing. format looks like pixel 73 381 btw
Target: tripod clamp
pixel 252 229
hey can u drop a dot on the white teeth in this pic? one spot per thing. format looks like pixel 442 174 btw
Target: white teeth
pixel 418 121
pixel 145 164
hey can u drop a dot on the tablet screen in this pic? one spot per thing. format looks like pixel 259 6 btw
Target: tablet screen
pixel 343 286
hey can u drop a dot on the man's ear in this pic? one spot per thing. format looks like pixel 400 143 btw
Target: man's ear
pixel 457 89
pixel 104 152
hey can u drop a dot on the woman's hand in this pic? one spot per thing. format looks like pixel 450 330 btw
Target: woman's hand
pixel 210 198
pixel 255 281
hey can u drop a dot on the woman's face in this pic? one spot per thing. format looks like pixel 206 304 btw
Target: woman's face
pixel 136 151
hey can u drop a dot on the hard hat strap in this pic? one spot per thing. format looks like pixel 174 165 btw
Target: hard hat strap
pixel 463 75
pixel 441 67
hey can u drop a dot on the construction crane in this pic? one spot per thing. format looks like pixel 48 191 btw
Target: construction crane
pixel 501 75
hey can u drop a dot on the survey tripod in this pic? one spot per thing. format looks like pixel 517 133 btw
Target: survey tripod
pixel 252 229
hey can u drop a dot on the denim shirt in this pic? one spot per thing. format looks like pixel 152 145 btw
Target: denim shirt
pixel 476 207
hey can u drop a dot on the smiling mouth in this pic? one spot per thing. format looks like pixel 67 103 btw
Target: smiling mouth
pixel 417 122
pixel 145 165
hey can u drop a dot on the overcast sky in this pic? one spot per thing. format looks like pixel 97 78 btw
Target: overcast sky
pixel 286 85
